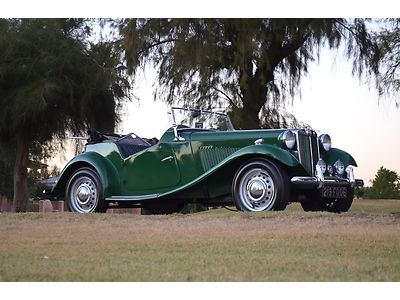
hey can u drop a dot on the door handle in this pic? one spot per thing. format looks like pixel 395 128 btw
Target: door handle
pixel 169 158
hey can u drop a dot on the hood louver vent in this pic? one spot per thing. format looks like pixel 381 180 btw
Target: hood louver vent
pixel 211 156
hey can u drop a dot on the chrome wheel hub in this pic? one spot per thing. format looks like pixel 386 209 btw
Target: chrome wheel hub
pixel 257 190
pixel 83 194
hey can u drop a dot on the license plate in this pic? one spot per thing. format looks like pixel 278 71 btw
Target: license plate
pixel 334 192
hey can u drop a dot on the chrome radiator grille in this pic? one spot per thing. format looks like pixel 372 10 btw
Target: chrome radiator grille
pixel 307 145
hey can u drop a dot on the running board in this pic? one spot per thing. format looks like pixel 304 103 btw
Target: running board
pixel 133 198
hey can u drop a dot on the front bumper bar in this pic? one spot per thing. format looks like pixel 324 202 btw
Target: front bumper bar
pixel 320 180
pixel 314 181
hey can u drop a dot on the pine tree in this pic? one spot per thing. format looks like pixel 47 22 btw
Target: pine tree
pixel 53 81
pixel 388 81
pixel 248 65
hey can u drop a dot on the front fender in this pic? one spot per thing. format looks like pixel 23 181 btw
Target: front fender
pixel 336 154
pixel 279 154
pixel 107 172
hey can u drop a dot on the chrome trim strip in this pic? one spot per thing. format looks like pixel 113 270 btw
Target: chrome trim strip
pixel 319 152
pixel 311 154
pixel 170 158
pixel 298 146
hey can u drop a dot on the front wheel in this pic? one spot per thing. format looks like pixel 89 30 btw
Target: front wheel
pixel 314 202
pixel 84 192
pixel 260 185
pixel 342 205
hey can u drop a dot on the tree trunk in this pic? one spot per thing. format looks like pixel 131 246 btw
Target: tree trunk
pixel 253 87
pixel 246 117
pixel 21 176
pixel 254 95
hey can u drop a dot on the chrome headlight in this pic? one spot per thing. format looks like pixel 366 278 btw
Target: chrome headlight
pixel 339 167
pixel 325 141
pixel 289 138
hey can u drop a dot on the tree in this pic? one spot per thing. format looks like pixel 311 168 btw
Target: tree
pixel 249 65
pixel 388 81
pixel 5 174
pixel 53 81
pixel 386 185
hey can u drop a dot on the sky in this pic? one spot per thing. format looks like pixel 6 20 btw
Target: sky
pixel 332 101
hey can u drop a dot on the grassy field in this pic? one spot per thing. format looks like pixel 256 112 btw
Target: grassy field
pixel 218 245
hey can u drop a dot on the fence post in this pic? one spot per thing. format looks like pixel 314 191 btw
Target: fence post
pixel 45 206
pixel 61 206
pixel 5 205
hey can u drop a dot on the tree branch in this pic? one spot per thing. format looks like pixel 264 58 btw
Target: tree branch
pixel 158 43
pixel 227 97
pixel 346 27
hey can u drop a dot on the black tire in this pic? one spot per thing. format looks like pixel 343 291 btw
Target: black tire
pixel 84 192
pixel 342 205
pixel 315 203
pixel 260 185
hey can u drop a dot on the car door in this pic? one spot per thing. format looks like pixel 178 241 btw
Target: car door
pixel 150 171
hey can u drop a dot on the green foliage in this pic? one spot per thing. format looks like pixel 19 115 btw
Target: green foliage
pixel 386 185
pixel 54 81
pixel 359 192
pixel 389 41
pixel 247 65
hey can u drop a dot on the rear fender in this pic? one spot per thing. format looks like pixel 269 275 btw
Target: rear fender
pixel 107 173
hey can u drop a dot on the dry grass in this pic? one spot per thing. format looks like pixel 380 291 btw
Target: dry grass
pixel 362 245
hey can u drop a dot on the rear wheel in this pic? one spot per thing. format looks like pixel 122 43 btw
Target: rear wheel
pixel 84 192
pixel 260 185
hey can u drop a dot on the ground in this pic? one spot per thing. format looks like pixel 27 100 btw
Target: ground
pixel 218 245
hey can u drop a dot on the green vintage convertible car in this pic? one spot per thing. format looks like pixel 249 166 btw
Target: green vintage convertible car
pixel 207 161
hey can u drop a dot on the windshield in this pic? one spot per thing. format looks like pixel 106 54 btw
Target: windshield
pixel 202 119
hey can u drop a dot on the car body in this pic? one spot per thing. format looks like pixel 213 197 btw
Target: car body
pixel 256 170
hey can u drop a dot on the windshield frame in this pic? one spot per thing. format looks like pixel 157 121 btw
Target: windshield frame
pixel 177 137
pixel 202 111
